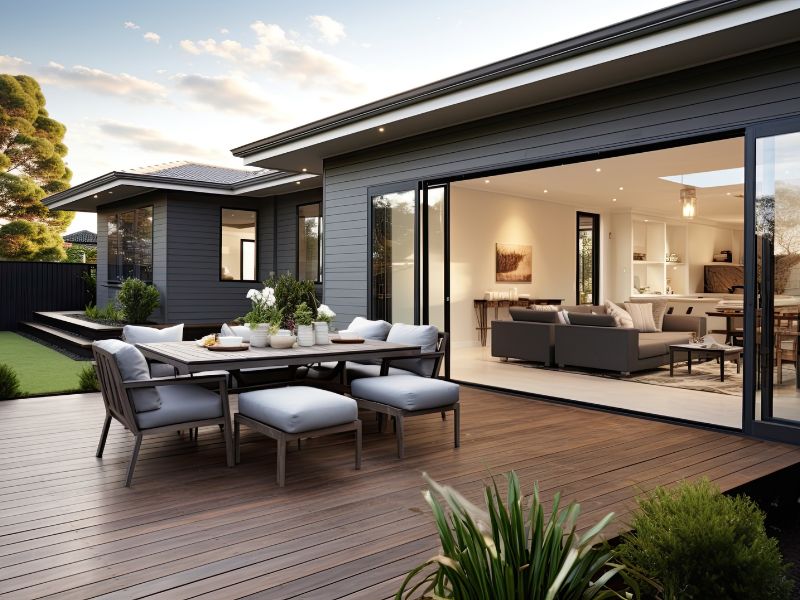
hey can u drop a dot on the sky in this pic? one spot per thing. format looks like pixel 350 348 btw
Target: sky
pixel 146 82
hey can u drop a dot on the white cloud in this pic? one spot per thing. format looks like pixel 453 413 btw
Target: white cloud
pixel 12 65
pixel 276 53
pixel 101 82
pixel 224 30
pixel 150 140
pixel 161 71
pixel 329 29
pixel 231 94
pixel 130 25
pixel 152 37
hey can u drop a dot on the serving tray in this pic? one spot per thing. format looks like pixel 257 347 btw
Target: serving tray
pixel 338 340
pixel 228 348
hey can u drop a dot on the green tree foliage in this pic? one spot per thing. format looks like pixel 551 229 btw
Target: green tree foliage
pixel 30 240
pixel 31 158
pixel 79 253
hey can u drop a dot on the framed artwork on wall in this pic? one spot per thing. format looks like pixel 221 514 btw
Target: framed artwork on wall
pixel 513 263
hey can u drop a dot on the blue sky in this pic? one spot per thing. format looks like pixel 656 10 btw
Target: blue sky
pixel 140 83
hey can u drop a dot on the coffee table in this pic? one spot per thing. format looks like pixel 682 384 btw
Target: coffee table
pixel 723 354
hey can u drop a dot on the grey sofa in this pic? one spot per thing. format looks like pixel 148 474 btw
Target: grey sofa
pixel 590 341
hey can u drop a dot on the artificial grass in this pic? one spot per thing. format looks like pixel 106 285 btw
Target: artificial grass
pixel 41 370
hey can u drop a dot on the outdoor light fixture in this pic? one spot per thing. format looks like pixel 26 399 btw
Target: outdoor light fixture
pixel 380 129
pixel 688 202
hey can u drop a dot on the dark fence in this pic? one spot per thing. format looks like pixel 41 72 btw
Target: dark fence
pixel 27 287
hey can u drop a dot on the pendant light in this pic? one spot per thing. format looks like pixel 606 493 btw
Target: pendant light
pixel 688 202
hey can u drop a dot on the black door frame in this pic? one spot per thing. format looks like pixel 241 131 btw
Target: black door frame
pixel 595 255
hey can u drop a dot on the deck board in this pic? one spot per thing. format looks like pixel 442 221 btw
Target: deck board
pixel 192 528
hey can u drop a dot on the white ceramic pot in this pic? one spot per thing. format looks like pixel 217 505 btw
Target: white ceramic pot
pixel 322 333
pixel 305 335
pixel 259 337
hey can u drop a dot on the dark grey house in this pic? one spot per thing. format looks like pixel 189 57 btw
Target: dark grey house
pixel 699 72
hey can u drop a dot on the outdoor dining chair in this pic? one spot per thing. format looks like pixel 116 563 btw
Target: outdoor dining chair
pixel 145 405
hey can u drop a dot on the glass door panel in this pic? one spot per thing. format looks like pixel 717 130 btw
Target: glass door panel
pixel 393 254
pixel 777 210
pixel 435 221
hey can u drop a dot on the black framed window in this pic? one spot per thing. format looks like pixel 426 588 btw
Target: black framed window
pixel 130 245
pixel 587 258
pixel 309 242
pixel 238 253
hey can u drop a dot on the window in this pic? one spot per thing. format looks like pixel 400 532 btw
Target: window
pixel 130 245
pixel 587 258
pixel 238 245
pixel 309 242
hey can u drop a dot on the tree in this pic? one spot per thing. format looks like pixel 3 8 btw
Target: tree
pixel 31 165
pixel 29 240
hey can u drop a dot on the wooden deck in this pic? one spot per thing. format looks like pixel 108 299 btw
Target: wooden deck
pixel 190 527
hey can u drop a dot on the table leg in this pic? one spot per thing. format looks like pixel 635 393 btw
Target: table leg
pixel 689 361
pixel 671 362
pixel 722 367
pixel 481 313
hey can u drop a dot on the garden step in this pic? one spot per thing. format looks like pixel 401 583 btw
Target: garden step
pixel 66 321
pixel 63 339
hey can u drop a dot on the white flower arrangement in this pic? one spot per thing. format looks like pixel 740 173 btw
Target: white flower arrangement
pixel 325 314
pixel 263 308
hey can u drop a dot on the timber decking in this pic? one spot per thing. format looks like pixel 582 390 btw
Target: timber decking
pixel 190 527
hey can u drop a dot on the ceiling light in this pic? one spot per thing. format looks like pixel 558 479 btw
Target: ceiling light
pixel 485 181
pixel 621 188
pixel 598 169
pixel 727 193
pixel 304 169
pixel 688 202
pixel 647 220
pixel 95 195
pixel 545 191
pixel 380 129
pixel 613 199
pixel 297 182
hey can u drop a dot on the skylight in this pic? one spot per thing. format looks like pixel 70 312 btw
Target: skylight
pixel 708 179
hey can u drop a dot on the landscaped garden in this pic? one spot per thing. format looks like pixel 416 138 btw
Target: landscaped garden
pixel 38 369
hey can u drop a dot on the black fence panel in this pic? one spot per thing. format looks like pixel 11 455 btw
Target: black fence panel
pixel 27 287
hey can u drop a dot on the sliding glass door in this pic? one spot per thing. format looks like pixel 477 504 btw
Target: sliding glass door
pixel 775 192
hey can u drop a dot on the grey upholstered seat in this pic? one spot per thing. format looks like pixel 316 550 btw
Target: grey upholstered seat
pixel 355 370
pixel 407 392
pixel 298 409
pixel 181 404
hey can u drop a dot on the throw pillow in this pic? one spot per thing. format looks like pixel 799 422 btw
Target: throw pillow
pixel 588 319
pixel 659 310
pixel 370 330
pixel 535 316
pixel 545 307
pixel 642 316
pixel 132 366
pixel 563 317
pixel 425 336
pixel 136 334
pixel 621 316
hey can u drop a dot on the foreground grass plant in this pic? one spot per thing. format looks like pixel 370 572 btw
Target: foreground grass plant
pixel 510 552
pixel 692 542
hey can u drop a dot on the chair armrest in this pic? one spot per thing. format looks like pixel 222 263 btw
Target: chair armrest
pixel 208 377
pixel 424 355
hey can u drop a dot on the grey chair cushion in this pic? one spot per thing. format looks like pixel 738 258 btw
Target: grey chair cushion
pixel 535 316
pixel 370 330
pixel 425 336
pixel 136 334
pixel 298 408
pixel 359 371
pixel 576 318
pixel 132 367
pixel 161 370
pixel 407 392
pixel 181 404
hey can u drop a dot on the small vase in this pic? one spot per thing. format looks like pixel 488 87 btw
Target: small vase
pixel 305 335
pixel 322 333
pixel 259 337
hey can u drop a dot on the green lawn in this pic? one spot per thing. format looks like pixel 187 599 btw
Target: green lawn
pixel 40 369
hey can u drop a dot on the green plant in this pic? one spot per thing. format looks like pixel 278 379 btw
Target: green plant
pixel 90 281
pixel 109 313
pixel 9 383
pixel 303 315
pixel 289 294
pixel 87 379
pixel 693 542
pixel 508 552
pixel 138 300
pixel 263 309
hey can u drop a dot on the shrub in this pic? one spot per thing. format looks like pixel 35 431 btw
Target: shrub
pixel 138 300
pixel 303 315
pixel 508 552
pixel 109 313
pixel 693 542
pixel 9 383
pixel 289 294
pixel 87 379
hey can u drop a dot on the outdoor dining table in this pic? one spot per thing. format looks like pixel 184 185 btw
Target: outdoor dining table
pixel 188 357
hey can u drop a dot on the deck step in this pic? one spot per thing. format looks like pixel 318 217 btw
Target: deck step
pixel 66 321
pixel 72 342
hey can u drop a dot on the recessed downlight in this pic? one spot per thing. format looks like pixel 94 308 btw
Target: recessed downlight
pixel 297 182
pixel 598 169
pixel 621 188
pixel 613 199
pixel 304 169
pixel 485 181
pixel 381 129
pixel 544 191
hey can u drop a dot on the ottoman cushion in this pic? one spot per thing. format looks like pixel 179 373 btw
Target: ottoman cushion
pixel 408 392
pixel 298 408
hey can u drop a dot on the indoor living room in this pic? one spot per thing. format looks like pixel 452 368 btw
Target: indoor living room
pixel 660 234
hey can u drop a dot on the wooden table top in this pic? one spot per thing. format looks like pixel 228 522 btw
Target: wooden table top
pixel 188 357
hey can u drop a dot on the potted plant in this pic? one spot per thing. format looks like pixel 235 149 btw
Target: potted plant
pixel 322 325
pixel 304 319
pixel 264 316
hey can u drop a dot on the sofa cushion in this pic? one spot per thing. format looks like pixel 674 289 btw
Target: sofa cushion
pixel 648 348
pixel 544 307
pixel 132 366
pixel 592 320
pixel 642 315
pixel 407 391
pixel 297 409
pixel 659 309
pixel 242 331
pixel 620 315
pixel 181 404
pixel 534 316
pixel 370 330
pixel 657 344
pixel 425 336
pixel 136 334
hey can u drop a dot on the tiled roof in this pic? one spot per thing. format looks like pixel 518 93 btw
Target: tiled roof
pixel 84 236
pixel 199 172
